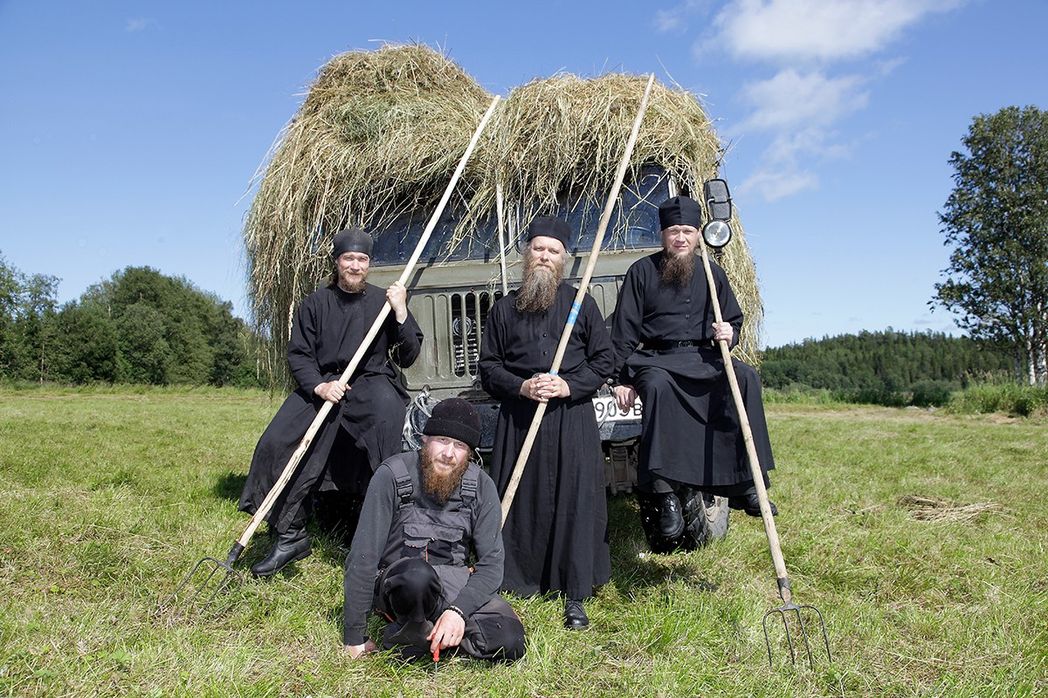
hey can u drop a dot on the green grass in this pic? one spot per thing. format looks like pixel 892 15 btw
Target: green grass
pixel 110 495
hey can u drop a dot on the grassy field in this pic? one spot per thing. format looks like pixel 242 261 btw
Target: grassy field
pixel 923 538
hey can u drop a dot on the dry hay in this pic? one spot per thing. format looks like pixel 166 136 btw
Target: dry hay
pixel 935 509
pixel 381 132
pixel 567 134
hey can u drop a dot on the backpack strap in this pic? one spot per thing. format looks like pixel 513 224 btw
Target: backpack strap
pixel 469 484
pixel 401 480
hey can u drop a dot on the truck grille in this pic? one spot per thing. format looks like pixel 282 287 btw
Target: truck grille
pixel 469 312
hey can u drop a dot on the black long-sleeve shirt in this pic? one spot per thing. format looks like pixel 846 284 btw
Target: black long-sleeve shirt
pixel 649 309
pixel 330 325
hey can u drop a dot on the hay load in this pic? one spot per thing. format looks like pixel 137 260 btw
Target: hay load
pixel 567 134
pixel 380 133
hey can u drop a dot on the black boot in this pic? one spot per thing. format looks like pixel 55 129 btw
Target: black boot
pixel 575 615
pixel 750 503
pixel 290 546
pixel 662 520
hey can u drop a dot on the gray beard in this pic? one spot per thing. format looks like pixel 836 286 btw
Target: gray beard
pixel 538 288
pixel 677 270
pixel 437 486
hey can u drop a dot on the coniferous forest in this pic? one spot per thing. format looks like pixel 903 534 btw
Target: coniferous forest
pixel 886 367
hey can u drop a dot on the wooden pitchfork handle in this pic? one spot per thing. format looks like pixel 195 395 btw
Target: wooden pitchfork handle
pixel 609 207
pixel 307 440
pixel 747 436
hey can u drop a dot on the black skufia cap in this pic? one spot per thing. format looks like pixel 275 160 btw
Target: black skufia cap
pixel 550 227
pixel 680 210
pixel 351 240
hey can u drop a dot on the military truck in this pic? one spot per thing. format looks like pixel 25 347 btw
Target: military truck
pixel 455 285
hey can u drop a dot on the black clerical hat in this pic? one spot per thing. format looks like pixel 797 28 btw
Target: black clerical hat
pixel 680 210
pixel 547 226
pixel 351 240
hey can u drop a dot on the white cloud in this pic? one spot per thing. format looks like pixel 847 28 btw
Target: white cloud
pixel 675 18
pixel 773 183
pixel 815 30
pixel 791 99
pixel 137 24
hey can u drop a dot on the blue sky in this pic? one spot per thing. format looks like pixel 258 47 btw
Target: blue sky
pixel 129 131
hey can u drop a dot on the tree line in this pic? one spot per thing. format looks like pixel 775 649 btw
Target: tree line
pixel 139 326
pixel 887 367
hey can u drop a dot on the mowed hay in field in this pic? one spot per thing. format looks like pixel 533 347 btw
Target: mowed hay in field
pixel 380 132
pixel 936 509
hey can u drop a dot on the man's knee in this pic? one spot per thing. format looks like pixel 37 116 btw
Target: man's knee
pixel 409 590
pixel 494 632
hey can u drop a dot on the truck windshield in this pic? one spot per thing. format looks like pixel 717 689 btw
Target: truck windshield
pixel 634 225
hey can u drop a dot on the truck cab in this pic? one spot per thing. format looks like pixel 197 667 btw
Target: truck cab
pixel 458 280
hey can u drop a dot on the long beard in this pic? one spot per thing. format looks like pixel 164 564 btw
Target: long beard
pixel 677 269
pixel 440 486
pixel 538 288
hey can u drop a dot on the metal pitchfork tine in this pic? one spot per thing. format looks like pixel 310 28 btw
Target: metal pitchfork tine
pixel 226 581
pixel 718 203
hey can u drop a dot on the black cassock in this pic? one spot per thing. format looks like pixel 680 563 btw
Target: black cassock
pixel 691 431
pixel 329 327
pixel 556 532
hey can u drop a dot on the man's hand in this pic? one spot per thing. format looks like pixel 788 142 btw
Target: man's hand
pixel 625 395
pixel 397 296
pixel 722 331
pixel 332 391
pixel 544 386
pixel 447 632
pixel 358 651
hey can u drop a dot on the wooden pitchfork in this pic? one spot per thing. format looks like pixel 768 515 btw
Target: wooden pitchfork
pixel 609 207
pixel 218 575
pixel 788 608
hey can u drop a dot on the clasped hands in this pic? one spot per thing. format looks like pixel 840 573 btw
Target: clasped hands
pixel 544 386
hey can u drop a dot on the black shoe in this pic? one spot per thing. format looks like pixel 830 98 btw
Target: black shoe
pixel 751 504
pixel 290 546
pixel 662 520
pixel 575 617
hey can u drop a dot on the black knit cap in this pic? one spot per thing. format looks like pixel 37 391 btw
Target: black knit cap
pixel 351 240
pixel 455 418
pixel 547 226
pixel 680 210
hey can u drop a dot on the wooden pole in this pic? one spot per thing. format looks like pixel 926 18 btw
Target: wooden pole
pixel 605 218
pixel 747 436
pixel 503 245
pixel 307 440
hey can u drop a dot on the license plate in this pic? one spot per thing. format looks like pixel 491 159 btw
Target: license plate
pixel 608 410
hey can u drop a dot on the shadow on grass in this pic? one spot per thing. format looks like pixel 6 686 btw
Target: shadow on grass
pixel 633 565
pixel 230 485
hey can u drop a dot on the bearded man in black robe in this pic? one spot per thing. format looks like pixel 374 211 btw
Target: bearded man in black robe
pixel 665 338
pixel 556 530
pixel 364 427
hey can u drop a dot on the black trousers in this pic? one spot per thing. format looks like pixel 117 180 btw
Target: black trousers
pixel 409 592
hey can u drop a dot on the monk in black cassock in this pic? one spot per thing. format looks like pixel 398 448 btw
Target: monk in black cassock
pixel 364 427
pixel 556 531
pixel 665 336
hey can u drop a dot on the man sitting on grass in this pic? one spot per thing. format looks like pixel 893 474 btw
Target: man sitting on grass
pixel 426 513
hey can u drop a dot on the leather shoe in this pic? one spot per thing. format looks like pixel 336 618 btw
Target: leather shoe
pixel 575 617
pixel 751 504
pixel 290 546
